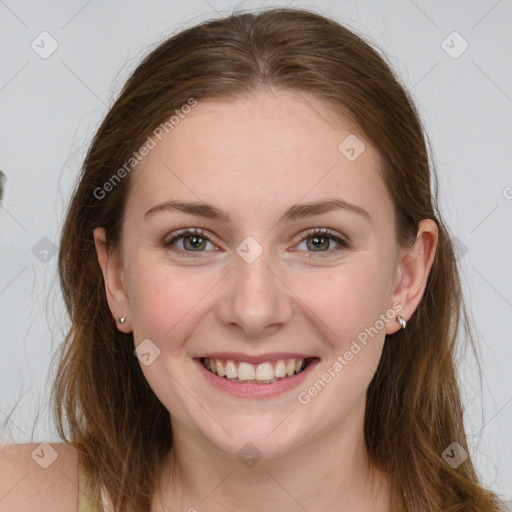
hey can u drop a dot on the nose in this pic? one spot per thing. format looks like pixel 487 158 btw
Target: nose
pixel 255 299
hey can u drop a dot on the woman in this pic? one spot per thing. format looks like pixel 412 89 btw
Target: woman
pixel 216 360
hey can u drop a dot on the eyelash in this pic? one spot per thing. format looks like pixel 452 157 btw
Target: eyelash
pixel 315 232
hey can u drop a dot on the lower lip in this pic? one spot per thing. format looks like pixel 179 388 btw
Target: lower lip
pixel 256 390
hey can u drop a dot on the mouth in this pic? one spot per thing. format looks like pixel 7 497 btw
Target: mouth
pixel 266 372
pixel 258 379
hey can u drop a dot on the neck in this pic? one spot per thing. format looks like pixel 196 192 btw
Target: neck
pixel 330 472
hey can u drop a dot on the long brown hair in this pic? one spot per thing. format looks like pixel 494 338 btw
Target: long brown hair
pixel 104 406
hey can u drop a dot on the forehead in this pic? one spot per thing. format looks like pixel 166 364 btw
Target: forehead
pixel 257 149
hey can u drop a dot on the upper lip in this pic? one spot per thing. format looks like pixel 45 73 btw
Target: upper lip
pixel 255 359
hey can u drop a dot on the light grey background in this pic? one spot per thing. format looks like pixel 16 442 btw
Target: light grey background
pixel 50 108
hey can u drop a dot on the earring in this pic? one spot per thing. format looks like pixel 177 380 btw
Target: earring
pixel 122 320
pixel 401 321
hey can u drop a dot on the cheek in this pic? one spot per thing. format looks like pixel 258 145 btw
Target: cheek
pixel 347 299
pixel 163 300
pixel 349 302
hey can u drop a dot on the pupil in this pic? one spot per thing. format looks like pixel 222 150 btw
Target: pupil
pixel 317 242
pixel 195 241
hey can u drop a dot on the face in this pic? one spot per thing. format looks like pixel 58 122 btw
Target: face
pixel 265 277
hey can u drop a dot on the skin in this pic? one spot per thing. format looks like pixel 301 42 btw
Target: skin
pixel 253 158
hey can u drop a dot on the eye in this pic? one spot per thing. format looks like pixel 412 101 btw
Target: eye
pixel 320 240
pixel 195 241
pixel 191 240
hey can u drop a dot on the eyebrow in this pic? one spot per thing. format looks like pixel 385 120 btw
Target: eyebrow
pixel 297 211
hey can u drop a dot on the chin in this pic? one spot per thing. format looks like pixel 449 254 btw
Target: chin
pixel 267 439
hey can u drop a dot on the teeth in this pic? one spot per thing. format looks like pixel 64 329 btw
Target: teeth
pixel 231 371
pixel 263 372
pixel 290 367
pixel 220 369
pixel 280 370
pixel 245 371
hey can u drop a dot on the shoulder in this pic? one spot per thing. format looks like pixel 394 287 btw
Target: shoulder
pixel 38 476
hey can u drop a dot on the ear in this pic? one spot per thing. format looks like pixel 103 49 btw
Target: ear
pixel 413 270
pixel 113 277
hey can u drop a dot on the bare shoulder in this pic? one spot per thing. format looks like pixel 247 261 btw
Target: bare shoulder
pixel 38 476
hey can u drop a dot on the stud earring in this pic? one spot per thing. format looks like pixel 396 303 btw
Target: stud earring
pixel 401 321
pixel 122 320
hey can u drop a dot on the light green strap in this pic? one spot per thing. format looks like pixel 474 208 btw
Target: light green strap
pixel 85 493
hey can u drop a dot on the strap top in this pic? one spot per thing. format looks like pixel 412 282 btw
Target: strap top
pixel 87 494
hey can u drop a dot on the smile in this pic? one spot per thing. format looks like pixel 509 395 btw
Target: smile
pixel 262 373
pixel 263 379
